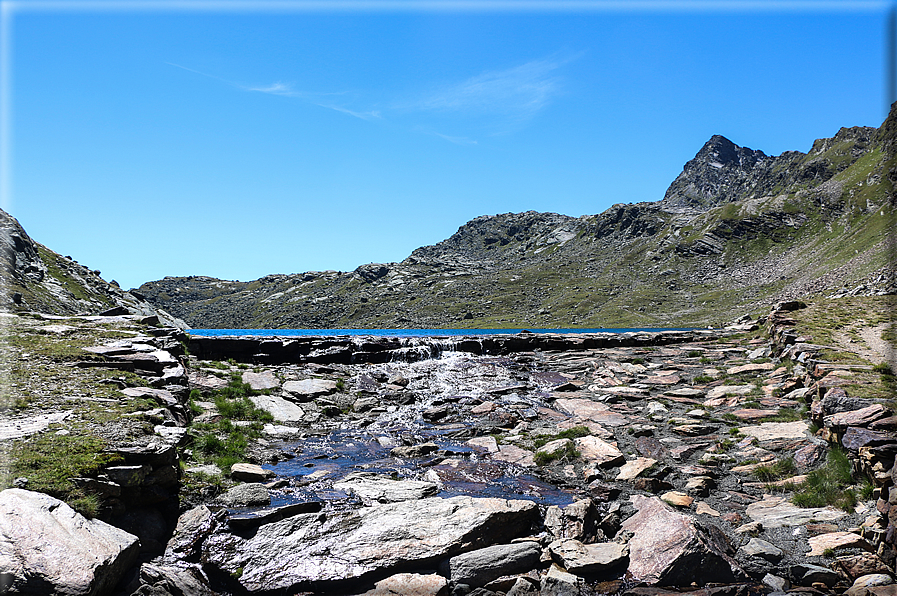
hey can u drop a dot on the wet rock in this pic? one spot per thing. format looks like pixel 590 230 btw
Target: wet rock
pixel 589 559
pixel 251 494
pixel 269 515
pixel 479 567
pixel 250 473
pixel 410 583
pixel 668 548
pixel 421 450
pixel 514 455
pixel 47 547
pixel 313 549
pixel 381 489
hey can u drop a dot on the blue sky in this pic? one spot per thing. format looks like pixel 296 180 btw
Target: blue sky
pixel 218 139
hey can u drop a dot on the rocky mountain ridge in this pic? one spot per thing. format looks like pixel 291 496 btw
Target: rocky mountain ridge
pixel 736 231
pixel 34 278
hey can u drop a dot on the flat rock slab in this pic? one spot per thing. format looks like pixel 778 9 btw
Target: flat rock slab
pixel 667 548
pixel 308 389
pixel 587 409
pixel 776 512
pixel 282 409
pixel 861 417
pixel 723 390
pixel 514 455
pixel 261 381
pixel 737 370
pixel 312 550
pixel 16 428
pixel 834 541
pixel 380 489
pixel 632 469
pixel 250 473
pixel 598 452
pixel 771 431
pixel 48 548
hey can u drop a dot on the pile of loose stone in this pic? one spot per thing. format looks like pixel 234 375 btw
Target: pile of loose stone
pixel 656 477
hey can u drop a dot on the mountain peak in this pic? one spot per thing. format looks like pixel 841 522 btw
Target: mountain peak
pixel 710 178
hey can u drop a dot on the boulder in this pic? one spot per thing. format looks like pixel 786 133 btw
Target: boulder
pixel 251 494
pixel 47 547
pixel 192 528
pixel 578 520
pixel 668 548
pixel 250 473
pixel 314 549
pixel 589 559
pixel 558 582
pixel 479 567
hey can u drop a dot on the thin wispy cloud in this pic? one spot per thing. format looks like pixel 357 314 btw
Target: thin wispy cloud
pixel 277 89
pixel 371 115
pixel 287 90
pixel 519 92
pixel 456 140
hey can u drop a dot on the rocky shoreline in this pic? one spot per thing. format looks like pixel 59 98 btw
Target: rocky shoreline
pixel 643 464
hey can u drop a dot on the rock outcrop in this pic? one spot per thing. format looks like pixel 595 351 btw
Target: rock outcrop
pixel 48 548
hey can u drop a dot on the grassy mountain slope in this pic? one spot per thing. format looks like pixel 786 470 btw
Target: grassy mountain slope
pixel 736 231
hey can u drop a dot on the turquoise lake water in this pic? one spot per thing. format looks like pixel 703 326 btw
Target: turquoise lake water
pixel 409 332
